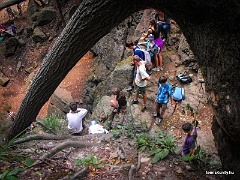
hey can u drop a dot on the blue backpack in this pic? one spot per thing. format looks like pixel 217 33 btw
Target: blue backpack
pixel 178 94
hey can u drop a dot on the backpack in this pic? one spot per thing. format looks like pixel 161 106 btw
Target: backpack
pixel 178 94
pixel 184 78
pixel 147 56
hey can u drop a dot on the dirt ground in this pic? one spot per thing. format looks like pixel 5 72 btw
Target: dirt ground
pixel 171 168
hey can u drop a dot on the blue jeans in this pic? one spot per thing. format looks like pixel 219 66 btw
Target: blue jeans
pixel 164 28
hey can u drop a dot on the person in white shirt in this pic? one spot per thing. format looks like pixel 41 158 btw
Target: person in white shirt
pixel 140 81
pixel 74 118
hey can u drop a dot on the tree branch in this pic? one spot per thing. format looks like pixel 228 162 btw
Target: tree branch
pixel 9 3
pixel 60 147
pixel 41 137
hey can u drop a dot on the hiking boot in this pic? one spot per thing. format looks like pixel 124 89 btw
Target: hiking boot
pixel 143 108
pixel 135 102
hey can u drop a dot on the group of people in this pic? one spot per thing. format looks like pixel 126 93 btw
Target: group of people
pixel 160 24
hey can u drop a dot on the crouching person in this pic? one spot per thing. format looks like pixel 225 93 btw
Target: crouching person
pixel 119 103
pixel 74 118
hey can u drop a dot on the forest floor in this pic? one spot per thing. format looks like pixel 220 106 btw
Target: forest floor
pixel 106 148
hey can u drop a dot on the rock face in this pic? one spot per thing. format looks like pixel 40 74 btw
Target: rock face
pixel 45 16
pixel 38 35
pixel 11 46
pixel 59 102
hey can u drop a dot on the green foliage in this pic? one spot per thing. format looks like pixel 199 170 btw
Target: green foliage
pixel 160 145
pixel 6 153
pixel 90 159
pixel 11 174
pixel 200 156
pixel 52 122
pixel 117 131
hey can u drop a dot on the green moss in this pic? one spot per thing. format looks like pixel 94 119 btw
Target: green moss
pixel 125 62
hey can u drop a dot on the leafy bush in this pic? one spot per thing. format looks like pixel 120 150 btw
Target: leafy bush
pixel 160 145
pixel 90 159
pixel 52 122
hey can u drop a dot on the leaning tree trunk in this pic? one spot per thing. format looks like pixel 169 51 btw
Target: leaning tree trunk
pixel 91 21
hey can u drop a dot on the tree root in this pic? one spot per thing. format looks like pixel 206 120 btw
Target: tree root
pixel 41 137
pixel 139 162
pixel 80 173
pixel 61 146
pixel 130 173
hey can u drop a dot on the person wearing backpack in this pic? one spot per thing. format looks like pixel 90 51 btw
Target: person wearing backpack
pixel 153 29
pixel 152 48
pixel 163 96
pixel 136 51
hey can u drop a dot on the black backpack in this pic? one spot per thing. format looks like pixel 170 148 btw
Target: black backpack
pixel 184 78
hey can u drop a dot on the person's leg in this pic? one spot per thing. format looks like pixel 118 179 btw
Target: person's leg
pixel 157 109
pixel 164 107
pixel 157 61
pixel 160 60
pixel 165 29
pixel 135 100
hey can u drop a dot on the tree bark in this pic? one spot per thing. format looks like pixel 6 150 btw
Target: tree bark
pixel 91 21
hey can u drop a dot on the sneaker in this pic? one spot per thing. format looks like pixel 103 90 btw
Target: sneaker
pixel 155 115
pixel 135 102
pixel 154 69
pixel 158 121
pixel 143 108
pixel 129 88
pixel 158 69
pixel 149 72
pixel 161 69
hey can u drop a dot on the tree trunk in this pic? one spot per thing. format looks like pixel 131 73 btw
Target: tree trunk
pixel 91 21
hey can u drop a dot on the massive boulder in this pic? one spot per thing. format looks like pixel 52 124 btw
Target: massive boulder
pixel 59 102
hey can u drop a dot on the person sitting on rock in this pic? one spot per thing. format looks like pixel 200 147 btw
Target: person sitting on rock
pixel 163 23
pixel 190 142
pixel 74 118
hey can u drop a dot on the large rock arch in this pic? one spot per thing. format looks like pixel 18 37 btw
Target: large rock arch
pixel 210 30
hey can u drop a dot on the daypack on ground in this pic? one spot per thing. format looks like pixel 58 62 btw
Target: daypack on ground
pixel 184 78
pixel 178 94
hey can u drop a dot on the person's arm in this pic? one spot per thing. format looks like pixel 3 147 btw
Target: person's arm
pixel 82 112
pixel 148 32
